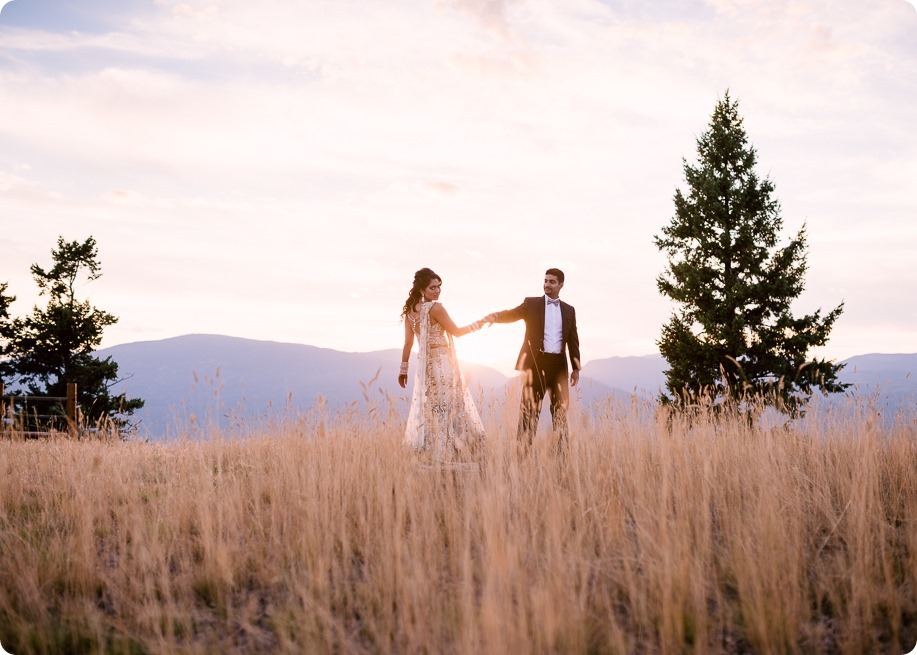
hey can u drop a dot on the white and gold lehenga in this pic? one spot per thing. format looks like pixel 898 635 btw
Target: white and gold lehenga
pixel 443 423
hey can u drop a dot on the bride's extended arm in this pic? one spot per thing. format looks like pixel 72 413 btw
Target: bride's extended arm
pixel 441 316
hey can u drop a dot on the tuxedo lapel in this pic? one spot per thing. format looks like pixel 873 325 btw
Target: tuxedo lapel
pixel 538 324
pixel 564 319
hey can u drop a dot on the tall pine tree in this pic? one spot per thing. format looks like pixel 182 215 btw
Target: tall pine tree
pixel 54 345
pixel 732 334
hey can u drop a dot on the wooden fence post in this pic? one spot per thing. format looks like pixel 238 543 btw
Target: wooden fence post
pixel 71 406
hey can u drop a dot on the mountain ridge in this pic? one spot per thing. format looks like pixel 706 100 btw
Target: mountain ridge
pixel 224 378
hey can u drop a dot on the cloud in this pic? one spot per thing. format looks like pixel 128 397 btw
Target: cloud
pixel 8 182
pixel 444 188
pixel 189 12
pixel 493 14
pixel 134 199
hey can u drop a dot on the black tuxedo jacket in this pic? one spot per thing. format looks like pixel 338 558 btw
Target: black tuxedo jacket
pixel 532 312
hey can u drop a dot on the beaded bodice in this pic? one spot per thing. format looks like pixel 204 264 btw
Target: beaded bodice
pixel 436 334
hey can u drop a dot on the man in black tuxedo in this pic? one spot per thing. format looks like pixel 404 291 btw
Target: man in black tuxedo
pixel 550 331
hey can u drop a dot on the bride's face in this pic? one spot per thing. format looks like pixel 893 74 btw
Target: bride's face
pixel 432 291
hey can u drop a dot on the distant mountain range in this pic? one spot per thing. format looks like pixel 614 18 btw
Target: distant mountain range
pixel 205 379
pixel 212 378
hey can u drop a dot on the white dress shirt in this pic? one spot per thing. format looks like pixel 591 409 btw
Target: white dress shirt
pixel 553 328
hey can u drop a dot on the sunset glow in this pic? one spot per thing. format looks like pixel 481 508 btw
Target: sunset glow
pixel 279 170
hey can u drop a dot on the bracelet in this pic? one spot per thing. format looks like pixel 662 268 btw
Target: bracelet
pixel 404 369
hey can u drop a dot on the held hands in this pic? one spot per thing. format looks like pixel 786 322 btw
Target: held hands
pixel 487 321
pixel 484 322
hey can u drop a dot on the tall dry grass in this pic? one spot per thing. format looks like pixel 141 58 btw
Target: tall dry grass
pixel 320 535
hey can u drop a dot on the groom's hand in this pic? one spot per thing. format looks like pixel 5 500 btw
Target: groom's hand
pixel 574 377
pixel 490 318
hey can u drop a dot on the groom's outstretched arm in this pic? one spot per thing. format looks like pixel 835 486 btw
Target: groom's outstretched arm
pixel 507 315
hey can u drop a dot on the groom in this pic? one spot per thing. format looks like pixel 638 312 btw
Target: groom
pixel 550 331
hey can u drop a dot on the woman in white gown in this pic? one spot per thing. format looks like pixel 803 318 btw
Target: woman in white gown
pixel 443 423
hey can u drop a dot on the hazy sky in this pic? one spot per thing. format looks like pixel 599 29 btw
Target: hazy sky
pixel 279 169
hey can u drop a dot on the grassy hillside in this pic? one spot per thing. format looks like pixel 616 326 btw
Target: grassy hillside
pixel 320 534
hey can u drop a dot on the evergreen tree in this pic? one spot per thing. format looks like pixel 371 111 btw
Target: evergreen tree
pixel 732 334
pixel 54 345
pixel 5 331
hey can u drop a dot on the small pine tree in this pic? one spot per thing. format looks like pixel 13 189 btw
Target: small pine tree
pixel 6 332
pixel 732 334
pixel 54 345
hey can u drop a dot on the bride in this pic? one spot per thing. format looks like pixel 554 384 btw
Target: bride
pixel 443 422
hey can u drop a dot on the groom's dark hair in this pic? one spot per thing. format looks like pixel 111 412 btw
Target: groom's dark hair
pixel 556 272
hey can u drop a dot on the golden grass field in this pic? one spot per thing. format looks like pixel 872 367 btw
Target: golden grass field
pixel 319 534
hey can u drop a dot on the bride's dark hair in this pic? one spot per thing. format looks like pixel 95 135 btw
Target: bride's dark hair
pixel 422 279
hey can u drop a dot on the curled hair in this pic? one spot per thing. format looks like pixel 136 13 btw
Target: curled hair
pixel 422 279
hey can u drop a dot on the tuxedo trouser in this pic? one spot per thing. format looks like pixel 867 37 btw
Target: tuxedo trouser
pixel 549 375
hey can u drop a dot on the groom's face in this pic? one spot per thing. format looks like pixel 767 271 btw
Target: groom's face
pixel 552 286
